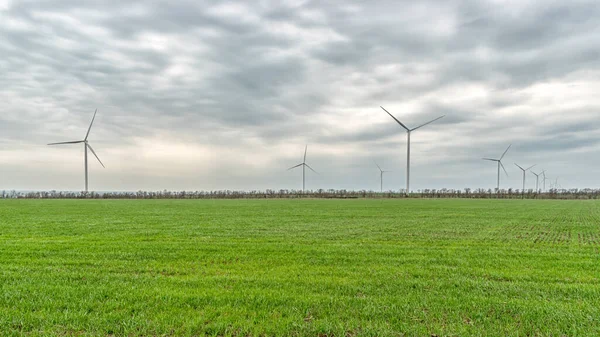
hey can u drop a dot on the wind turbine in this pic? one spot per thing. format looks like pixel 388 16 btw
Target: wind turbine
pixel 499 161
pixel 408 132
pixel 304 166
pixel 86 146
pixel 381 172
pixel 544 179
pixel 524 170
pixel 537 181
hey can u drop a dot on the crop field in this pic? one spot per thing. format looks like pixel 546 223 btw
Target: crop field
pixel 299 268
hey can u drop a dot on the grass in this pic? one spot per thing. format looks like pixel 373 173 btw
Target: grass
pixel 299 268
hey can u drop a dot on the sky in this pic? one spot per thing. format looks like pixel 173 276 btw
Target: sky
pixel 215 95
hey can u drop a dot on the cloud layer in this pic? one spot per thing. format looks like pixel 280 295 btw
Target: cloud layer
pixel 200 95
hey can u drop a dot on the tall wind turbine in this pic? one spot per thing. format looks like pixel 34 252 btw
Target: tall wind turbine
pixel 537 181
pixel 524 170
pixel 499 161
pixel 544 179
pixel 408 132
pixel 304 166
pixel 86 146
pixel 381 172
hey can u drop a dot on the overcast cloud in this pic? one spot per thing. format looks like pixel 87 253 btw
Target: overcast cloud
pixel 204 95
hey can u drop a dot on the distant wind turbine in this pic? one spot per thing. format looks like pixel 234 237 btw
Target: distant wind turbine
pixel 554 185
pixel 408 131
pixel 381 172
pixel 537 181
pixel 86 146
pixel 544 179
pixel 499 161
pixel 304 166
pixel 524 170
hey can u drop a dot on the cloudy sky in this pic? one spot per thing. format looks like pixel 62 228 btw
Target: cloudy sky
pixel 204 95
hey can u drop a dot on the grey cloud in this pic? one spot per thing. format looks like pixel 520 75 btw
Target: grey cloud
pixel 276 75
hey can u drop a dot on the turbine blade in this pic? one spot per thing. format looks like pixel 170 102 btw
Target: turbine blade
pixel 311 169
pixel 305 149
pixel 399 122
pixel 504 154
pixel 73 142
pixel 530 167
pixel 519 167
pixel 94 152
pixel 378 166
pixel 293 167
pixel 422 125
pixel 92 123
pixel 503 168
pixel 490 159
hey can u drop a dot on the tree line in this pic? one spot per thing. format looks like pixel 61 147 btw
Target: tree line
pixel 480 193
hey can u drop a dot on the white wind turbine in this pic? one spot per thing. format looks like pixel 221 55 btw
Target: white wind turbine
pixel 304 166
pixel 86 146
pixel 524 170
pixel 408 132
pixel 554 185
pixel 537 181
pixel 499 161
pixel 544 179
pixel 381 172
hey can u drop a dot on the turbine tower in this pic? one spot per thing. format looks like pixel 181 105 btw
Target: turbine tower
pixel 381 172
pixel 304 166
pixel 86 146
pixel 408 132
pixel 499 161
pixel 524 170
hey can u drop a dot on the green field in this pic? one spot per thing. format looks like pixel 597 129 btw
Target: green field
pixel 299 268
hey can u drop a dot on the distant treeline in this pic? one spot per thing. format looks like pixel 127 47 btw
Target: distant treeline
pixel 320 194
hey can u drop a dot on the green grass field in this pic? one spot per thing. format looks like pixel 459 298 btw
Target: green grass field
pixel 299 268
